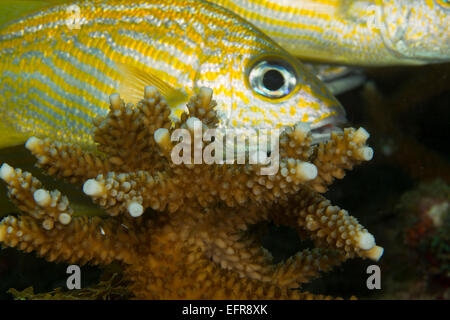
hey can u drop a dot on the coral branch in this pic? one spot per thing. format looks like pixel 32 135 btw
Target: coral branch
pixel 83 240
pixel 328 225
pixel 342 152
pixel 66 161
pixel 182 228
pixel 27 193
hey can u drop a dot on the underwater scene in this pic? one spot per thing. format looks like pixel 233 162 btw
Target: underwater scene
pixel 224 149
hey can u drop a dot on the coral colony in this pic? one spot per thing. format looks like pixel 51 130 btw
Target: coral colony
pixel 183 230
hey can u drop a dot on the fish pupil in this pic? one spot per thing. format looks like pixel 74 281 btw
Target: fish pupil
pixel 273 80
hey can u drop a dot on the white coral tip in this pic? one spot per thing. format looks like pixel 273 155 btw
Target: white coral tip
pixel 150 91
pixel 205 94
pixel 161 136
pixel 93 188
pixel 114 99
pixel 48 224
pixel 375 253
pixel 366 241
pixel 361 135
pixel 65 218
pixel 306 171
pixel 365 153
pixel 135 209
pixel 193 123
pixel 33 144
pixel 42 197
pixel 7 172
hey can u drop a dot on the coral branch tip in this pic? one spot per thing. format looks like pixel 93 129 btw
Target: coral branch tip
pixel 306 171
pixel 365 153
pixel 6 172
pixel 135 209
pixel 93 188
pixel 114 100
pixel 375 253
pixel 65 218
pixel 361 135
pixel 366 241
pixel 33 144
pixel 42 197
pixel 150 91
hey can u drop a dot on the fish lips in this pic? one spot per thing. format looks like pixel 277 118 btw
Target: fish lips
pixel 322 130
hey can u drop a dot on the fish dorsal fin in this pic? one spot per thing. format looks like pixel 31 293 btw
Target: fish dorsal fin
pixel 134 80
pixel 11 10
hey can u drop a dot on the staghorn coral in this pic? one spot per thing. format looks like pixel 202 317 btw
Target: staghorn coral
pixel 193 240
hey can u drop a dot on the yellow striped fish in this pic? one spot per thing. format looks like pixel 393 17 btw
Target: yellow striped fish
pixel 58 67
pixel 357 32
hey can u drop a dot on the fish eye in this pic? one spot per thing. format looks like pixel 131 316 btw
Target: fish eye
pixel 272 78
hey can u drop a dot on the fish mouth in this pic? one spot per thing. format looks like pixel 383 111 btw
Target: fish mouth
pixel 321 132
